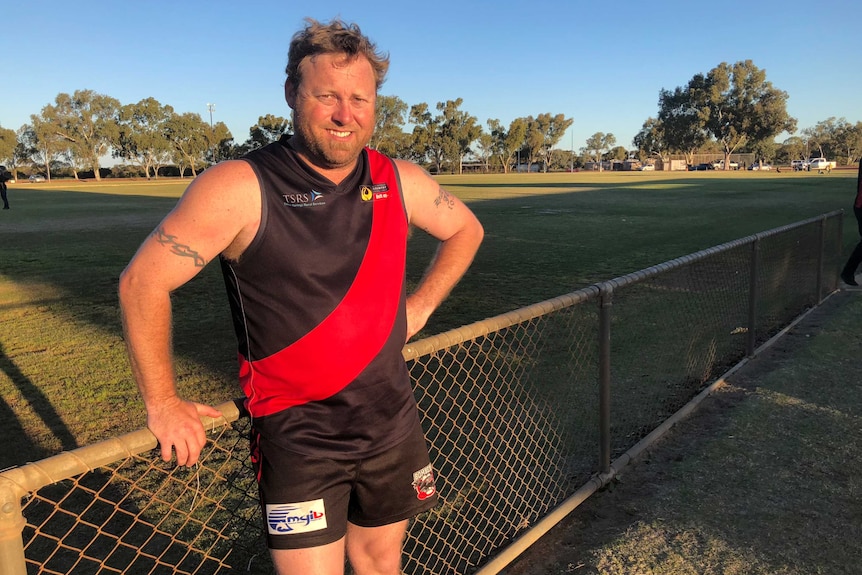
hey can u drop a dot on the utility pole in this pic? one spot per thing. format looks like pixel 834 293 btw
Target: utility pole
pixel 211 108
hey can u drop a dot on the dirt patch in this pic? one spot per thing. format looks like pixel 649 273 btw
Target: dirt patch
pixel 608 514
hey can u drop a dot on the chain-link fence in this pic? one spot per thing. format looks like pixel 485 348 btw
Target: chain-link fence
pixel 521 412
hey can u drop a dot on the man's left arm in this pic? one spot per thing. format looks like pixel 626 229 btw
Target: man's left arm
pixel 445 217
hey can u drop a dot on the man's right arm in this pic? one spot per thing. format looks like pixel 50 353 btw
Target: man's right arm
pixel 219 212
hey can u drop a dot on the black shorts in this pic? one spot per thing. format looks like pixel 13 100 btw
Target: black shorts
pixel 307 501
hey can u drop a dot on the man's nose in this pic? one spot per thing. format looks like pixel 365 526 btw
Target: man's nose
pixel 342 114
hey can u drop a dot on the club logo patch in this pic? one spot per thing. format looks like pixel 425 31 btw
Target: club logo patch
pixel 291 518
pixel 374 192
pixel 310 199
pixel 423 483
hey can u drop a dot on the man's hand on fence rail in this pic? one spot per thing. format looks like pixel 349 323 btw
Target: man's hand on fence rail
pixel 177 427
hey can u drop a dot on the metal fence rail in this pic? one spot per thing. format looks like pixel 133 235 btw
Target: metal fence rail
pixel 521 412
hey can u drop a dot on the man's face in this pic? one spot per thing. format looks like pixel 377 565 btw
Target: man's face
pixel 333 109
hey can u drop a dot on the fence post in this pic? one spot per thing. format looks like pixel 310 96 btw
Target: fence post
pixel 820 258
pixel 12 524
pixel 753 294
pixel 605 303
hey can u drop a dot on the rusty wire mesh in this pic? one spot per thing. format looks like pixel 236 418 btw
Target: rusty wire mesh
pixel 141 515
pixel 510 408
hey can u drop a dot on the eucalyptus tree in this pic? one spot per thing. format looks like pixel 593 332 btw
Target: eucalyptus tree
pixel 484 150
pixel 424 142
pixel 764 150
pixel 834 137
pixel 618 153
pixel 87 122
pixel 269 129
pixel 41 144
pixel 389 136
pixel 219 142
pixel 8 142
pixel 458 130
pixel 189 136
pixel 650 141
pixel 446 137
pixel 680 123
pixel 597 145
pixel 740 106
pixel 848 140
pixel 507 142
pixel 543 133
pixel 142 138
pixel 795 148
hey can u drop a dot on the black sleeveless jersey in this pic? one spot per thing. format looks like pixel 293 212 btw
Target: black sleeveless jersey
pixel 318 306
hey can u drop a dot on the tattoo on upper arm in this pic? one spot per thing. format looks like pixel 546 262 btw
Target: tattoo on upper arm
pixel 444 198
pixel 177 248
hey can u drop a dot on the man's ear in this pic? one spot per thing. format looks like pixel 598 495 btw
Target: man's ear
pixel 289 93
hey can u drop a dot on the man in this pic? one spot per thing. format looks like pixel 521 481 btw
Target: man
pixel 311 234
pixel 5 176
pixel 848 273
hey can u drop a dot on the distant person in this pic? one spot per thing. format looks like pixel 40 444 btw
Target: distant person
pixel 848 274
pixel 311 234
pixel 5 176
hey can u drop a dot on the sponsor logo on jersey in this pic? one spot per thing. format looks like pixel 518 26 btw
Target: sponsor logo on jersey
pixel 423 482
pixel 310 199
pixel 291 518
pixel 374 192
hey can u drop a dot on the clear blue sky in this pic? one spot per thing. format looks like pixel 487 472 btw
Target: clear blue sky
pixel 601 66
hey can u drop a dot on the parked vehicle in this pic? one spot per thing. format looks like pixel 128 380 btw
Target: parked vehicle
pixel 700 167
pixel 821 165
pixel 647 168
pixel 719 165
pixel 799 165
pixel 763 167
pixel 37 178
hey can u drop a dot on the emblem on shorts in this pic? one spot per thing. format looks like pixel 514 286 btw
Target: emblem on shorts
pixel 291 518
pixel 423 483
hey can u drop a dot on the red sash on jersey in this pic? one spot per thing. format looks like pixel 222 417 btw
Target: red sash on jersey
pixel 333 354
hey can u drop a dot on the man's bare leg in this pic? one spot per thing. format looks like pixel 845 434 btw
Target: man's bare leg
pixel 321 560
pixel 376 550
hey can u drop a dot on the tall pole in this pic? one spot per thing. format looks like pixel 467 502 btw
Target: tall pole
pixel 211 108
pixel 572 166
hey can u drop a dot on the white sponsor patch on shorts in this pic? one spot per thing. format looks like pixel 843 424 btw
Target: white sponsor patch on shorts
pixel 294 518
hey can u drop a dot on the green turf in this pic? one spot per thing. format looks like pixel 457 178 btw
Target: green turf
pixel 64 380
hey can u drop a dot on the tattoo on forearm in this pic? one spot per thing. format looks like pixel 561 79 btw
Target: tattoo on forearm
pixel 445 199
pixel 177 248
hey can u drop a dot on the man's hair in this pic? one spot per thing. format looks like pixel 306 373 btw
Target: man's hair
pixel 336 37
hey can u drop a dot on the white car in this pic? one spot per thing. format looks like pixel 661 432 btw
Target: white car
pixel 763 168
pixel 820 164
pixel 799 165
pixel 719 165
pixel 37 178
pixel 647 168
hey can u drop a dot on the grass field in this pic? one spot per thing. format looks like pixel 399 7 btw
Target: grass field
pixel 65 381
pixel 765 478
pixel 703 505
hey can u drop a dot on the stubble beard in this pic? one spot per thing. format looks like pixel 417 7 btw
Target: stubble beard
pixel 326 153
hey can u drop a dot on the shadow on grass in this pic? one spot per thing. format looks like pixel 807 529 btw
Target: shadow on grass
pixel 12 429
pixel 553 238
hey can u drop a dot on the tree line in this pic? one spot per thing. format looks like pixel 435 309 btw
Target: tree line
pixel 732 108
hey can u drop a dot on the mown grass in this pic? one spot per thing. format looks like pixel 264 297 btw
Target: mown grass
pixel 65 380
pixel 764 479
